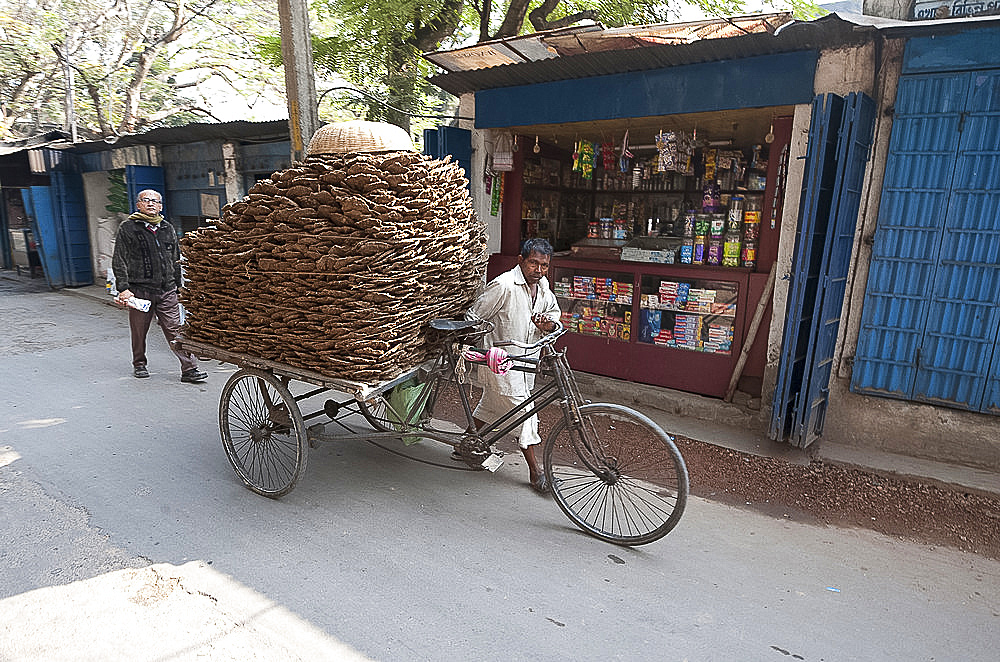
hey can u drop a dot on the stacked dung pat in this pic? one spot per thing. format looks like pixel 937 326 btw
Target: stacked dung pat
pixel 338 263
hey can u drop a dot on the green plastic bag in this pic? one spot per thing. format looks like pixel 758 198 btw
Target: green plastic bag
pixel 404 399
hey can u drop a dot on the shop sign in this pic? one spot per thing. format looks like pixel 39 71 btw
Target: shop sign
pixel 931 9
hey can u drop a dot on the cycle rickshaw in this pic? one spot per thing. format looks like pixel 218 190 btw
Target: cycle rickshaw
pixel 614 472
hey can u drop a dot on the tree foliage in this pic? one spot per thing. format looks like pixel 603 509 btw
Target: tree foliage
pixel 377 46
pixel 132 65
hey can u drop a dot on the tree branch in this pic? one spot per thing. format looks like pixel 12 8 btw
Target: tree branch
pixel 539 16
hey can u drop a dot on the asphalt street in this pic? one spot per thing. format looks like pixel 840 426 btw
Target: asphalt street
pixel 125 535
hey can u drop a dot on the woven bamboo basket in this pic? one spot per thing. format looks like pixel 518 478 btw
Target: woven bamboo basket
pixel 359 136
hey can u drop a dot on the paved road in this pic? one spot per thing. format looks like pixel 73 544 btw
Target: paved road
pixel 126 536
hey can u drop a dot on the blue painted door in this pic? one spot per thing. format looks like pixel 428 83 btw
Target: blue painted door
pixel 71 223
pixel 457 142
pixel 838 149
pixel 42 219
pixel 929 329
pixel 450 140
pixel 139 178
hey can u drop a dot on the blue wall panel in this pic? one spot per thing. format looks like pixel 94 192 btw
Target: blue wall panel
pixel 38 204
pixel 755 82
pixel 974 49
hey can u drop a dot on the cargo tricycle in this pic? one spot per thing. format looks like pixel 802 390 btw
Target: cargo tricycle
pixel 614 472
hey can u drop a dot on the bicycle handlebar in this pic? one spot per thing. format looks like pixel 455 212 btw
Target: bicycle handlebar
pixel 547 339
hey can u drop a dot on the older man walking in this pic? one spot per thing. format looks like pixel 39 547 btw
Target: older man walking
pixel 146 264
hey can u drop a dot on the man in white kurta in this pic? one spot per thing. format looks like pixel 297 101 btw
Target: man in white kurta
pixel 521 307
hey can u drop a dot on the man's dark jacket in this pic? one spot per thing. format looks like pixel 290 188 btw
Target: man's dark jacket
pixel 146 261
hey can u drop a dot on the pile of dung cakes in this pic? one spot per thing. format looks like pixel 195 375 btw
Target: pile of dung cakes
pixel 338 263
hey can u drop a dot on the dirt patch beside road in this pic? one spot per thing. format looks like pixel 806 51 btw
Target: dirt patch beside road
pixel 834 495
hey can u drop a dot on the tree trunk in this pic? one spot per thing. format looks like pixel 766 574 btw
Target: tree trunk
pixel 484 19
pixel 513 19
pixel 133 94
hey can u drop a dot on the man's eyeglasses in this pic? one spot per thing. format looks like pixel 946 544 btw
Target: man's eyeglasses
pixel 154 201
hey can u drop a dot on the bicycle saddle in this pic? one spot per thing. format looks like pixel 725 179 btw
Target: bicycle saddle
pixel 453 325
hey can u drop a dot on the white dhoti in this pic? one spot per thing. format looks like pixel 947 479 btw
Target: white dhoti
pixel 494 404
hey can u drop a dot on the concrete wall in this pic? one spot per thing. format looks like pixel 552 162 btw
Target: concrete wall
pixel 786 247
pixel 897 9
pixel 102 224
pixel 118 158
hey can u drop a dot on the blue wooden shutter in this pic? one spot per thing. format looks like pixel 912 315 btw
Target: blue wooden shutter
pixel 458 143
pixel 835 172
pixel 445 140
pixel 431 143
pixel 42 218
pixel 817 189
pixel 853 149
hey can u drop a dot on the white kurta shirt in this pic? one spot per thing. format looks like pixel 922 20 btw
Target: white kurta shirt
pixel 507 303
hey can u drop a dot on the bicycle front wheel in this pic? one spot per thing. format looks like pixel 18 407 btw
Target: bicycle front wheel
pixel 617 475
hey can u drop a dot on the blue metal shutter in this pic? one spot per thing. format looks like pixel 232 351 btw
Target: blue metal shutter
pixel 932 305
pixel 71 221
pixel 961 334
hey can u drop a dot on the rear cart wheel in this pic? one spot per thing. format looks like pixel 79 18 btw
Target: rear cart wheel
pixel 619 477
pixel 376 411
pixel 263 432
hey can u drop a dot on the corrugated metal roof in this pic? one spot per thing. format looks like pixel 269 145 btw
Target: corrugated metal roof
pixel 829 31
pixel 563 42
pixel 190 133
pixel 810 35
pixel 35 142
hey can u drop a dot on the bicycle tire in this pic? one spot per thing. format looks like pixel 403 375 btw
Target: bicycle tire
pixel 643 492
pixel 263 432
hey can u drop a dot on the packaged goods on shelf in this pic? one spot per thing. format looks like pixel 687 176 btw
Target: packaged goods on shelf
pixel 720 338
pixel 700 300
pixel 674 295
pixel 687 331
pixel 721 308
pixel 649 325
pixel 664 337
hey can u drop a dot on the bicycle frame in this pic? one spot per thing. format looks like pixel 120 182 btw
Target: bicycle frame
pixel 562 388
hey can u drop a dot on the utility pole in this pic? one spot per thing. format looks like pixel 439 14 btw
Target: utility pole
pixel 70 108
pixel 300 81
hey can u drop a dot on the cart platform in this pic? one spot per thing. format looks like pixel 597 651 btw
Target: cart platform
pixel 360 390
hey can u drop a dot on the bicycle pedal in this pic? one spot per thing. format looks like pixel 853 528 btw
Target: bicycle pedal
pixel 492 463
